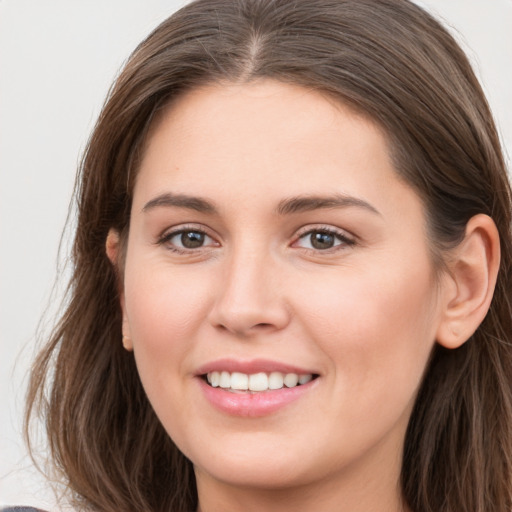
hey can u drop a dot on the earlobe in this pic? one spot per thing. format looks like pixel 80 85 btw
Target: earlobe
pixel 127 341
pixel 473 270
pixel 112 246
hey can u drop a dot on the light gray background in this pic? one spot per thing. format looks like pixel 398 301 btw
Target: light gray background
pixel 57 60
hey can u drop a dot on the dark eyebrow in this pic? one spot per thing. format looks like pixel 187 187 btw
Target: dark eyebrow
pixel 285 207
pixel 181 201
pixel 307 203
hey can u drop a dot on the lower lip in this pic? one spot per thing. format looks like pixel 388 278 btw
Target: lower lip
pixel 247 404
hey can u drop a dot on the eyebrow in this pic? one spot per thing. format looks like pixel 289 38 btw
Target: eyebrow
pixel 307 203
pixel 289 206
pixel 181 201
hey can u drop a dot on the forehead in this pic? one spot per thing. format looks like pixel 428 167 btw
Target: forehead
pixel 264 140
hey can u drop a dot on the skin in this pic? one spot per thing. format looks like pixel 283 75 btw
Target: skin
pixel 363 315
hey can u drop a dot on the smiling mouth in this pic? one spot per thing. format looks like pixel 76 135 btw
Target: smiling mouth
pixel 238 382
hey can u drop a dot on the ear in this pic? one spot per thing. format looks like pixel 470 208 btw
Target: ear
pixel 473 269
pixel 112 249
pixel 112 246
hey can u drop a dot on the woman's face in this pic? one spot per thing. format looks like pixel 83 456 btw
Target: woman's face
pixel 271 240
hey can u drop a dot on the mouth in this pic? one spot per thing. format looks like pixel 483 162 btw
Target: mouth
pixel 238 382
pixel 255 388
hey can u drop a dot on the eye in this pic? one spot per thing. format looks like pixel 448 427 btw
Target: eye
pixel 323 239
pixel 186 240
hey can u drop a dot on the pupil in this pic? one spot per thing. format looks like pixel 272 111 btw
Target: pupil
pixel 192 239
pixel 322 240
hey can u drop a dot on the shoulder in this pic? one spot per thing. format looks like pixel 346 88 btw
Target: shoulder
pixel 21 509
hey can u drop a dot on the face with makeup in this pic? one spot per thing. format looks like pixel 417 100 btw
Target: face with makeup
pixel 279 294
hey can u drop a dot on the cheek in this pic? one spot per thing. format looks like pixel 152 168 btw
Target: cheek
pixel 164 308
pixel 377 328
pixel 164 311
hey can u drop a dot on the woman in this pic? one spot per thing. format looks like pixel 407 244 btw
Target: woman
pixel 292 272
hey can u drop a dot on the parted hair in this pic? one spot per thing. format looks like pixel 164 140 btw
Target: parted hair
pixel 392 62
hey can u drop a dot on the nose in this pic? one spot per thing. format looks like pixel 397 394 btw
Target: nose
pixel 250 297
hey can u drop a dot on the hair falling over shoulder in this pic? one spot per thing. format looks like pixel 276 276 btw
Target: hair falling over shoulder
pixel 389 60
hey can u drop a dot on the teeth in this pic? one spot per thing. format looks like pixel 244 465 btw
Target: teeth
pixel 275 380
pixel 257 381
pixel 214 379
pixel 304 379
pixel 225 380
pixel 239 381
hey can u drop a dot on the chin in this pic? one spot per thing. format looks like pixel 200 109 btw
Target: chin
pixel 263 465
pixel 266 474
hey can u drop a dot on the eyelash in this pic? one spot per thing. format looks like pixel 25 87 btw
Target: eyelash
pixel 340 236
pixel 344 239
pixel 166 238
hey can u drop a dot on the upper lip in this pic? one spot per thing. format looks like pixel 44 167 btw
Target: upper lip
pixel 251 366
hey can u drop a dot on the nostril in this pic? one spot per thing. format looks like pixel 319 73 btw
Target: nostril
pixel 242 331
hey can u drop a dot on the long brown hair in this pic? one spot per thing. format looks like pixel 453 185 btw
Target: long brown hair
pixel 391 61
